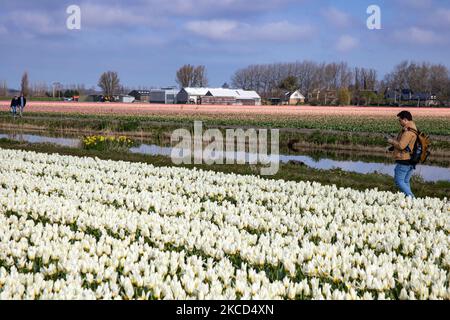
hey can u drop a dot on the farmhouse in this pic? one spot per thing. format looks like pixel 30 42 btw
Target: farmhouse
pixel 293 98
pixel 141 95
pixel 232 97
pixel 248 98
pixel 426 99
pixel 391 94
pixel 220 96
pixel 407 96
pixel 191 95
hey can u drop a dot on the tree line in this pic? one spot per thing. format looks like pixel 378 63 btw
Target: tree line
pixel 187 76
pixel 320 83
pixel 41 89
pixel 337 81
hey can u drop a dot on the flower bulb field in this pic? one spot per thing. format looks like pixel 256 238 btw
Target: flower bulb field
pixel 84 228
pixel 92 108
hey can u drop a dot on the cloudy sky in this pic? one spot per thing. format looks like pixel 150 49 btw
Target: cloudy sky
pixel 146 41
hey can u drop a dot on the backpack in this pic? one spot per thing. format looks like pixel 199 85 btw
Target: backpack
pixel 421 150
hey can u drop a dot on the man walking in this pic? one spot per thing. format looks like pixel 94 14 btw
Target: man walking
pixel 14 103
pixel 22 104
pixel 402 148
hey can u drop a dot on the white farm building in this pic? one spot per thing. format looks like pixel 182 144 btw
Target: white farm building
pixel 246 97
pixel 218 96
pixel 191 95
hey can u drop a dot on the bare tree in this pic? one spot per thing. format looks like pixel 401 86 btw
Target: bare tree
pixel 39 89
pixel 185 76
pixel 4 89
pixel 398 78
pixel 439 81
pixel 24 84
pixel 311 77
pixel 110 83
pixel 316 80
pixel 241 79
pixel 200 79
pixel 81 88
pixel 426 78
pixel 192 76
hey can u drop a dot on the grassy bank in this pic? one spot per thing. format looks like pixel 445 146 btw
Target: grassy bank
pixel 161 128
pixel 288 172
pixel 371 124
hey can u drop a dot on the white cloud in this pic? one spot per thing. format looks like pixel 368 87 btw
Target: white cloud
pixel 417 35
pixel 416 3
pixel 214 7
pixel 34 23
pixel 283 31
pixel 346 43
pixel 97 15
pixel 442 16
pixel 230 30
pixel 337 17
pixel 214 29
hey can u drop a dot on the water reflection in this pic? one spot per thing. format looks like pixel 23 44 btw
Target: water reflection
pixel 31 138
pixel 152 149
pixel 426 172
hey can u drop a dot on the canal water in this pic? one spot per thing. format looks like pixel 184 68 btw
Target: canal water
pixel 426 172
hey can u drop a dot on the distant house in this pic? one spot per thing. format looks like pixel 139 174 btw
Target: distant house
pixel 425 99
pixel 220 96
pixel 141 95
pixel 292 98
pixel 191 95
pixel 248 98
pixel 164 96
pixel 392 94
pixel 224 96
pixel 407 96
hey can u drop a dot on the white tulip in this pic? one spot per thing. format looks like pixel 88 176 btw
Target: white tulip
pixel 321 231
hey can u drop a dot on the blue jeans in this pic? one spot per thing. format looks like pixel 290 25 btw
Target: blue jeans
pixel 403 175
pixel 14 110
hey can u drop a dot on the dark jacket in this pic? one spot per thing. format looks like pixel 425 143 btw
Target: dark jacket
pixel 24 101
pixel 14 102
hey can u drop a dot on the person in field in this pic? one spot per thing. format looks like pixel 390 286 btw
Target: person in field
pixel 22 104
pixel 14 104
pixel 402 147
